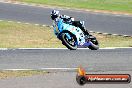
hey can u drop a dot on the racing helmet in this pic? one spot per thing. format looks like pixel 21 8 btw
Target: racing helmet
pixel 54 14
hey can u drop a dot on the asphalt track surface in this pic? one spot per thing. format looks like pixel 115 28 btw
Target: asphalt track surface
pixel 106 23
pixel 115 61
pixel 99 60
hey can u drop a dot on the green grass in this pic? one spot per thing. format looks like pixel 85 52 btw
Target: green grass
pixel 14 35
pixel 114 41
pixel 110 5
pixel 11 74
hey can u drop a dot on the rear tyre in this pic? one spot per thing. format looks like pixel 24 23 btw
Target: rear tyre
pixel 70 44
pixel 94 43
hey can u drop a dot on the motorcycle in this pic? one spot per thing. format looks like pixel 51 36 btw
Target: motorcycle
pixel 73 37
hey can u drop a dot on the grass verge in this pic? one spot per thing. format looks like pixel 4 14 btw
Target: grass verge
pixel 11 74
pixel 14 35
pixel 110 5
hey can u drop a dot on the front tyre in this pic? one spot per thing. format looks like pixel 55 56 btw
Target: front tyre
pixel 69 43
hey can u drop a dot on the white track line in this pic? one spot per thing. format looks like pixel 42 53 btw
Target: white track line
pixel 3 48
pixel 45 69
pixel 37 24
pixel 27 23
pixel 60 48
pixel 10 21
pixel 59 68
pixel 16 69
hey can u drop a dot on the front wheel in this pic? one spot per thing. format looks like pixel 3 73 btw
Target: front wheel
pixel 69 43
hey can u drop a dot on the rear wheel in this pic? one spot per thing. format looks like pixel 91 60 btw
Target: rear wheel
pixel 94 43
pixel 69 43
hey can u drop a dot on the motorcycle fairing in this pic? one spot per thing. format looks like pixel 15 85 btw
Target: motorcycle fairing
pixel 75 30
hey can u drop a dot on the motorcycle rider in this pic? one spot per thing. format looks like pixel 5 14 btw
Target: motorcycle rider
pixel 55 15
